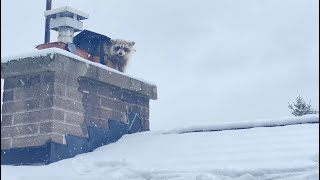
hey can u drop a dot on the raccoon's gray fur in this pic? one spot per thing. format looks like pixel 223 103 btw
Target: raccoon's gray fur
pixel 117 53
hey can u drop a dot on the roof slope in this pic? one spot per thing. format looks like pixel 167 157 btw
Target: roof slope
pixel 281 152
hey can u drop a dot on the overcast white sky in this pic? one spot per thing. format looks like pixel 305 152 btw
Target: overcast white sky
pixel 212 60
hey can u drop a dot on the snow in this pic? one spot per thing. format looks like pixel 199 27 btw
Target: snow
pixel 52 51
pixel 281 152
pixel 309 118
pixel 224 151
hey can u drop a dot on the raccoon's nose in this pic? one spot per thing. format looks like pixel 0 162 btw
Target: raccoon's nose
pixel 120 53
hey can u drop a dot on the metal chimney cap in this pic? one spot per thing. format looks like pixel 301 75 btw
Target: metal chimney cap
pixel 66 11
pixel 66 21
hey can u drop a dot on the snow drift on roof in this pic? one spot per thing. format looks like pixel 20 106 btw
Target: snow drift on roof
pixel 309 118
pixel 282 152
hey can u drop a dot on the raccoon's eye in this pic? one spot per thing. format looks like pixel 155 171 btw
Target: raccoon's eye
pixel 126 49
pixel 116 48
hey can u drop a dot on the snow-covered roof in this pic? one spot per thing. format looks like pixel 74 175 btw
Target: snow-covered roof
pixel 279 152
pixel 309 118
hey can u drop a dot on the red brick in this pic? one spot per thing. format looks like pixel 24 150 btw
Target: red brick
pixel 74 93
pixel 114 105
pixel 145 113
pixel 61 128
pixel 74 119
pixel 68 104
pixel 7 120
pixel 21 130
pixel 37 140
pixel 7 96
pixel 118 116
pixel 135 99
pixel 146 125
pixel 90 121
pixel 38 116
pixel 6 143
pixel 20 106
pixel 93 111
pixel 91 99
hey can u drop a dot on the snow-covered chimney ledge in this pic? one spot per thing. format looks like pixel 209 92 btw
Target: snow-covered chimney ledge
pixel 54 99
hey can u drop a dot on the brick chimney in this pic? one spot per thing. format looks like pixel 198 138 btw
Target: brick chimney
pixel 57 105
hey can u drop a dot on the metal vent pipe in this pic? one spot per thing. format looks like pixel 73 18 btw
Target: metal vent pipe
pixel 47 25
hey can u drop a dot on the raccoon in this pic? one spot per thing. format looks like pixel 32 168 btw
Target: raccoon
pixel 117 53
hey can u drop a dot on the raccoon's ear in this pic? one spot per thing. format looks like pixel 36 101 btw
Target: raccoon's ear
pixel 132 43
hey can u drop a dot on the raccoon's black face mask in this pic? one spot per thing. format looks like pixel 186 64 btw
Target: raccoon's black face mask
pixel 121 51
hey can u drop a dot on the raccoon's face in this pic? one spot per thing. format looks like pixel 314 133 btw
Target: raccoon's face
pixel 121 48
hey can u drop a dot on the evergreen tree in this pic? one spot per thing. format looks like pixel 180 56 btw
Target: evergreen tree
pixel 301 108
